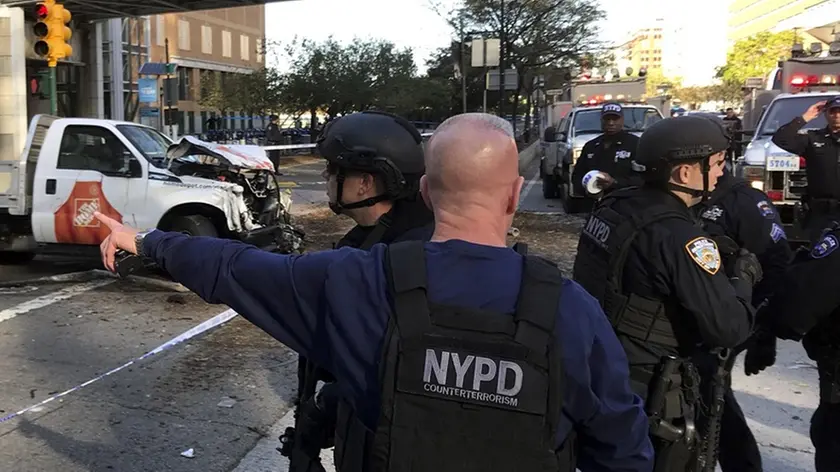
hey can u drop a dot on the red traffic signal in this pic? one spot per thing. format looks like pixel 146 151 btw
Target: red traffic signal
pixel 41 11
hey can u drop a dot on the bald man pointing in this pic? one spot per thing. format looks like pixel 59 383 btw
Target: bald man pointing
pixel 460 354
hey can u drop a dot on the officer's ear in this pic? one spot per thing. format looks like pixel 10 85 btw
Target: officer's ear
pixel 424 191
pixel 514 200
pixel 681 173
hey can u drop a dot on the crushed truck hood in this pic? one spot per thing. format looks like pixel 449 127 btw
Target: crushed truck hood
pixel 239 156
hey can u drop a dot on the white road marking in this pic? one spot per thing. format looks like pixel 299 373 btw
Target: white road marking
pixel 51 298
pixel 528 188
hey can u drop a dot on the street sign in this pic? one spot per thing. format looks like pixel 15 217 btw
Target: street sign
pixel 149 112
pixel 158 68
pixel 754 82
pixel 485 52
pixel 511 80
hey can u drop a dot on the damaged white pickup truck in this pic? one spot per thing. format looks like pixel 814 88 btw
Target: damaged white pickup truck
pixel 71 167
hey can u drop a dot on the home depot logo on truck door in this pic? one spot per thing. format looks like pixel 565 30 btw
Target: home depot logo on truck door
pixel 74 220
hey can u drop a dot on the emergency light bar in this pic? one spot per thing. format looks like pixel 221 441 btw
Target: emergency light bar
pixel 811 80
pixel 598 99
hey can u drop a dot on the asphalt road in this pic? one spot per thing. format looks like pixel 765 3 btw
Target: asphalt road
pixel 143 417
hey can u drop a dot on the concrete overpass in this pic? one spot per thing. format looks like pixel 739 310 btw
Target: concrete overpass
pixel 95 10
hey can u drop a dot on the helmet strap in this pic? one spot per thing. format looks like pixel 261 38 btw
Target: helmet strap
pixel 339 207
pixel 703 194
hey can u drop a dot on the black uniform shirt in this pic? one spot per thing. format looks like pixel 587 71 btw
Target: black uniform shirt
pixel 821 150
pixel 675 260
pixel 746 215
pixel 612 154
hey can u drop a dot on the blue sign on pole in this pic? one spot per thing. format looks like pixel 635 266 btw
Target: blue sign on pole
pixel 148 90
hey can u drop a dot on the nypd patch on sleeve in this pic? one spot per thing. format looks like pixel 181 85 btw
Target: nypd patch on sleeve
pixel 704 252
pixel 777 233
pixel 766 209
pixel 824 247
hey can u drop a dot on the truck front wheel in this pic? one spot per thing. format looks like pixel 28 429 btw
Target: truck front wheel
pixel 194 225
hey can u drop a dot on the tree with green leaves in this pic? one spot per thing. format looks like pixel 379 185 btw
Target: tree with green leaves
pixel 215 92
pixel 538 34
pixel 756 56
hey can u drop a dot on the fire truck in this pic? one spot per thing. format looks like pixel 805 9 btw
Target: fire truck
pixel 793 87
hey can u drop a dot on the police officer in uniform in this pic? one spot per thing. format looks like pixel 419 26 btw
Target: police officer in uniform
pixel 735 126
pixel 821 150
pixel 661 281
pixel 808 309
pixel 274 137
pixel 438 347
pixel 745 215
pixel 611 153
pixel 387 208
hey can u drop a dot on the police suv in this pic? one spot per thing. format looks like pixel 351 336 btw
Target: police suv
pixel 582 124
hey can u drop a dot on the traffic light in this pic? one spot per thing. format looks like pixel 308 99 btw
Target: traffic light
pixel 52 31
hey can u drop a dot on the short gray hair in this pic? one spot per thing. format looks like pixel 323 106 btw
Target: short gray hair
pixel 484 120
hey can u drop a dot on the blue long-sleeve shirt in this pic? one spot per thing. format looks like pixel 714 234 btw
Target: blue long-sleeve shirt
pixel 333 307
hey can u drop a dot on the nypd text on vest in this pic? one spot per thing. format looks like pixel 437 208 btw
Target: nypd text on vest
pixel 597 230
pixel 503 377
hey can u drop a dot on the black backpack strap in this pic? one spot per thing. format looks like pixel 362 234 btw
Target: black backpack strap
pixel 521 248
pixel 406 267
pixel 539 299
pixel 378 231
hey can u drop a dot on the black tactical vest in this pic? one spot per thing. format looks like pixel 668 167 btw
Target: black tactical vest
pixel 463 390
pixel 605 242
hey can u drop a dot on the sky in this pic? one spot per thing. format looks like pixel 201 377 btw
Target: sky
pixel 413 23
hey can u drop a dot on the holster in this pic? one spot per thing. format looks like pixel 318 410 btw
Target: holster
pixel 670 406
pixel 303 443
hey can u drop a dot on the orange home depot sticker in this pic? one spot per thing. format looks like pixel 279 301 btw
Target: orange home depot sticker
pixel 74 221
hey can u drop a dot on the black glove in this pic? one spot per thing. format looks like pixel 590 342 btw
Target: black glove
pixel 761 354
pixel 747 267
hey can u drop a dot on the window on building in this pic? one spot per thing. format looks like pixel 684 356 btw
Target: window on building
pixel 185 83
pixel 207 39
pixel 191 122
pixel 160 29
pixel 184 35
pixel 226 46
pixel 260 45
pixel 244 47
pixel 92 148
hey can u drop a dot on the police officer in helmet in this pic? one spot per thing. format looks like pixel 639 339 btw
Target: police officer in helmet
pixel 744 217
pixel 374 163
pixel 808 309
pixel 662 284
pixel 458 354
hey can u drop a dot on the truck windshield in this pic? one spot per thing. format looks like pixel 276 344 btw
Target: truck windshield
pixel 149 142
pixel 782 111
pixel 635 119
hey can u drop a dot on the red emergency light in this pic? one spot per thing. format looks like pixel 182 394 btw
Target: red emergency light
pixel 811 80
pixel 802 163
pixel 775 195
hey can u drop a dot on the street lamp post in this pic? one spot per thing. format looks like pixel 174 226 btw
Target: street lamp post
pixel 502 51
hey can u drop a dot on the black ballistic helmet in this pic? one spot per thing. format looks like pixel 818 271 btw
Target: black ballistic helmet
pixel 684 139
pixel 378 143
